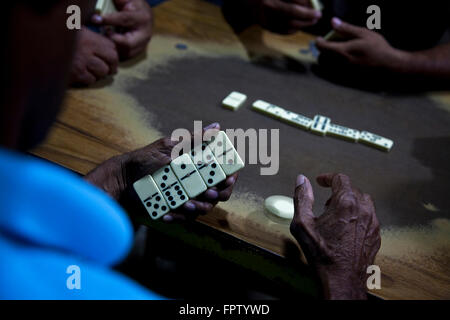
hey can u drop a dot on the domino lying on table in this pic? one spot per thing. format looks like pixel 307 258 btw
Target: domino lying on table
pixel 188 176
pixel 322 125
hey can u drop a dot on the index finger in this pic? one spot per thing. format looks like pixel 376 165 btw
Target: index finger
pixel 339 47
pixel 306 3
pixel 126 19
pixel 298 11
pixel 337 181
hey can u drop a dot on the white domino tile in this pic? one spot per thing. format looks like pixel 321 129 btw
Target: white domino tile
pixel 187 174
pixel 225 153
pixel 234 100
pixel 104 7
pixel 320 125
pixel 297 120
pixel 170 187
pixel 343 132
pixel 207 165
pixel 260 105
pixel 317 5
pixel 151 197
pixel 376 141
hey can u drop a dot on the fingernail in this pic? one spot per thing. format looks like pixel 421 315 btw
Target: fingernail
pixel 212 194
pixel 317 14
pixel 212 126
pixel 167 218
pixel 300 180
pixel 189 206
pixel 337 22
pixel 96 18
pixel 231 181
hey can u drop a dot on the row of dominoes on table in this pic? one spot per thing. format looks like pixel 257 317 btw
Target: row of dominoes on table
pixel 320 125
pixel 188 176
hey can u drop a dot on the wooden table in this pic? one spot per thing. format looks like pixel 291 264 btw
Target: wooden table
pixel 111 118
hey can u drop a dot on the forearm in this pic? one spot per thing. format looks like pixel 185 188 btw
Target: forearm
pixel 341 285
pixel 109 176
pixel 433 63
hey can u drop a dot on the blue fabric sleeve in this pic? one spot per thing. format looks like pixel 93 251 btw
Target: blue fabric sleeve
pixel 27 272
pixel 51 207
pixel 51 219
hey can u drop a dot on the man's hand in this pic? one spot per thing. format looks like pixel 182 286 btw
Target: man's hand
pixel 95 58
pixel 286 16
pixel 117 175
pixel 361 47
pixel 133 23
pixel 343 241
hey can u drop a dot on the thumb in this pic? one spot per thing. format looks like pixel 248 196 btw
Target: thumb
pixel 346 29
pixel 303 202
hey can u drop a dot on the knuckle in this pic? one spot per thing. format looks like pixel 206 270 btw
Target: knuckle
pixel 341 177
pixel 347 200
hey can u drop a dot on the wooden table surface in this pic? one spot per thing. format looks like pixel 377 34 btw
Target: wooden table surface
pixel 106 120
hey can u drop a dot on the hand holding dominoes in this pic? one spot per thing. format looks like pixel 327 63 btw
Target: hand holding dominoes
pixel 286 16
pixel 194 181
pixel 117 175
pixel 131 21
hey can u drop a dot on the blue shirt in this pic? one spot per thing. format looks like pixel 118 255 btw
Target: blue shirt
pixel 59 235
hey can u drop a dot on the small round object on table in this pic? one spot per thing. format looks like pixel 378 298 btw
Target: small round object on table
pixel 280 206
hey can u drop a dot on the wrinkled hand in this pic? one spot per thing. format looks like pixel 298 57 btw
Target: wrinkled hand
pixel 361 47
pixel 343 241
pixel 117 175
pixel 134 23
pixel 285 17
pixel 95 58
